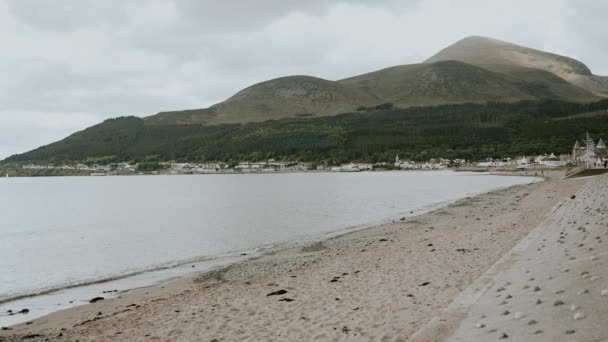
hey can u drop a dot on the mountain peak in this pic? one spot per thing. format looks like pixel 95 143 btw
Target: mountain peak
pixel 481 50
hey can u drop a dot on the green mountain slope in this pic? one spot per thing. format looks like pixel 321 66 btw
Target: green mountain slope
pixel 473 70
pixel 457 82
pixel 485 51
pixel 292 96
pixel 438 83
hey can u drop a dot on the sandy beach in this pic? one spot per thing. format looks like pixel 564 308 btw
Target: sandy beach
pixel 428 278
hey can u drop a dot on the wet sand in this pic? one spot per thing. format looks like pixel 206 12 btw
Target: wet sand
pixel 380 284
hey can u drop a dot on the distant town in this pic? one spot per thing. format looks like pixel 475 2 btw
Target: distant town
pixel 586 155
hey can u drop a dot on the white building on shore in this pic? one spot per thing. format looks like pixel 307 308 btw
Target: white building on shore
pixel 591 155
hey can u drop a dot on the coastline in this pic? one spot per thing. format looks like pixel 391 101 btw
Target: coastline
pixel 285 267
pixel 46 300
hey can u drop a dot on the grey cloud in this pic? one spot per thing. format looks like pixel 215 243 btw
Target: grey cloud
pixel 586 21
pixel 67 14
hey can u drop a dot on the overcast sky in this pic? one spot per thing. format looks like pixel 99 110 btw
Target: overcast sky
pixel 68 64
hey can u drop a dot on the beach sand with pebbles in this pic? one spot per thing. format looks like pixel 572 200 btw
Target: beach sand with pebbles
pixel 449 274
pixel 553 286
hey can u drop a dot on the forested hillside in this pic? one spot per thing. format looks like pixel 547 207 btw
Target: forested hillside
pixel 471 131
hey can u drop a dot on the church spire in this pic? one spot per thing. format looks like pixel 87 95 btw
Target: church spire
pixel 589 144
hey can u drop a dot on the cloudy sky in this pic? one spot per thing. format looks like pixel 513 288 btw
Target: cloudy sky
pixel 68 64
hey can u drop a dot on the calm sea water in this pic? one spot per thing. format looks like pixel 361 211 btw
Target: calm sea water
pixel 56 232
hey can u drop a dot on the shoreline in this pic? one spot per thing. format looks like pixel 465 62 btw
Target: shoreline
pixel 41 173
pixel 249 270
pixel 123 283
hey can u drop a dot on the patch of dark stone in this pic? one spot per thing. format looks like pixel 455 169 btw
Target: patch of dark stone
pixel 96 299
pixel 88 321
pixel 30 336
pixel 22 311
pixel 425 283
pixel 110 291
pixel 286 300
pixel 277 293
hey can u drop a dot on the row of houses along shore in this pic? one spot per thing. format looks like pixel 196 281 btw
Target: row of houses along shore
pixel 587 154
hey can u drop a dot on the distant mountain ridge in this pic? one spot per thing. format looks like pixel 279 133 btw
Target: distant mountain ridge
pixel 473 70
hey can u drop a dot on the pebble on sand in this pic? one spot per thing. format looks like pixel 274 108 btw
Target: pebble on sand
pixel 519 315
pixel 605 292
pixel 578 315
pixel 277 293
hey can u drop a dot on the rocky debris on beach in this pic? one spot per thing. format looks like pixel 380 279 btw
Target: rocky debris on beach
pixel 25 338
pixel 96 299
pixel 277 293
